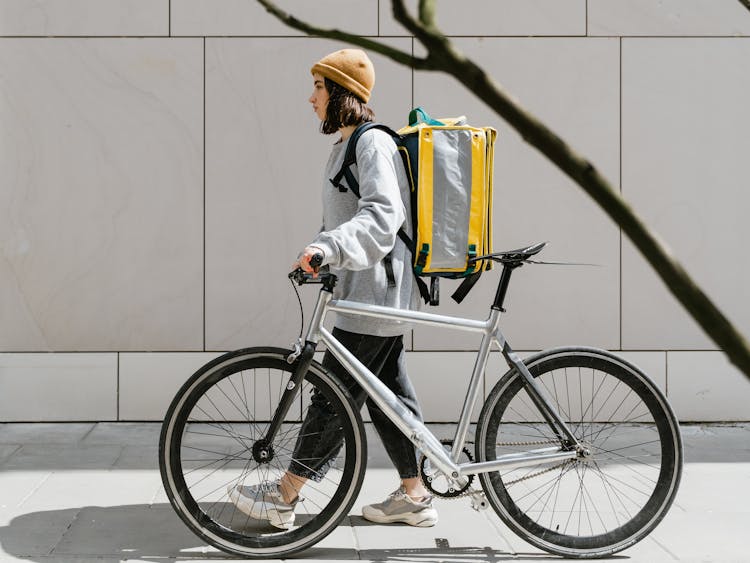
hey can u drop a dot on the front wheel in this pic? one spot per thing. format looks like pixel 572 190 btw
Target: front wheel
pixel 212 442
pixel 593 505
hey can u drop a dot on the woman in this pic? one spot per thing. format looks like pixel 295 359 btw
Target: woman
pixel 358 234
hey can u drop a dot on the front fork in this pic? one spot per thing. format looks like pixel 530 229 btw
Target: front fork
pixel 303 357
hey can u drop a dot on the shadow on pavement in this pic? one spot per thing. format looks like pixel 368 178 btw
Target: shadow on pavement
pixel 455 555
pixel 155 533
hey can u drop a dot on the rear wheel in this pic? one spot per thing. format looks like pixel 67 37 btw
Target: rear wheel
pixel 211 442
pixel 594 505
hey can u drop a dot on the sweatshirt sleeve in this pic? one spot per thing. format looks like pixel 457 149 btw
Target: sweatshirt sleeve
pixel 369 236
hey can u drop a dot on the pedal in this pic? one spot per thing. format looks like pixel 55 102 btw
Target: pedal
pixel 478 500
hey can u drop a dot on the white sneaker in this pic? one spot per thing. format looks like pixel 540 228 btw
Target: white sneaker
pixel 264 502
pixel 400 507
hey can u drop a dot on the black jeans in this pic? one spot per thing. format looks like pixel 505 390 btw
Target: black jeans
pixel 320 440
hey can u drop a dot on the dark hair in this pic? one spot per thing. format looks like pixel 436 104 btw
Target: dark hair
pixel 344 108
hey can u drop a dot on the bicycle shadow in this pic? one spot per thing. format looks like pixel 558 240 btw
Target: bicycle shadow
pixel 155 533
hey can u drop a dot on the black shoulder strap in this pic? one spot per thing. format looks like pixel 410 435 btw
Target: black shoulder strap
pixel 350 157
pixel 465 286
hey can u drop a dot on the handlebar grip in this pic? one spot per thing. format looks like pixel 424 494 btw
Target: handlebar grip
pixel 300 277
pixel 316 261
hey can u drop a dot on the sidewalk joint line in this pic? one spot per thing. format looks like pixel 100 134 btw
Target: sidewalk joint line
pixel 13 453
pixel 499 531
pixel 89 431
pixel 35 489
pixel 661 545
pixel 67 529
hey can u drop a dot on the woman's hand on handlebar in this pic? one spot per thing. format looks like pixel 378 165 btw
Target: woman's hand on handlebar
pixel 309 261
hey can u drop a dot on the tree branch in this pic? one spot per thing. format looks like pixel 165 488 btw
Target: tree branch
pixel 427 13
pixel 394 54
pixel 443 56
pixel 429 36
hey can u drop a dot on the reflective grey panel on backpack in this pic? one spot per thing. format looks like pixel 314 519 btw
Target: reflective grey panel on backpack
pixel 451 198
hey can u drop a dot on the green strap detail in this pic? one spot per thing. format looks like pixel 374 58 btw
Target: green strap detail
pixel 419 115
pixel 422 258
pixel 471 254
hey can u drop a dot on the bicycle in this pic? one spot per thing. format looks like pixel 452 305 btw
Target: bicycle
pixel 577 450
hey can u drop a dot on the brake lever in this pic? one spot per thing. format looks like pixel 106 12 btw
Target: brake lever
pixel 300 277
pixel 297 276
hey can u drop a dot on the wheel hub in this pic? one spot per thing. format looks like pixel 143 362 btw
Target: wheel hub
pixel 262 451
pixel 584 452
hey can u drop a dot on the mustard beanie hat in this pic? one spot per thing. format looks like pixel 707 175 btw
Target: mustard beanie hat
pixel 350 68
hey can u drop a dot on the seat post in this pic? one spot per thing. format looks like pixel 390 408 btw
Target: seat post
pixel 502 287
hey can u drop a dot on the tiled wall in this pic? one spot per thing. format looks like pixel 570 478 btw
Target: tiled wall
pixel 160 168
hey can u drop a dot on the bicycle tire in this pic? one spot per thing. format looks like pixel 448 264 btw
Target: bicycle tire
pixel 206 446
pixel 621 492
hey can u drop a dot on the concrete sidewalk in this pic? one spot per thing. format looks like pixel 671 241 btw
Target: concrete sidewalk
pixel 92 492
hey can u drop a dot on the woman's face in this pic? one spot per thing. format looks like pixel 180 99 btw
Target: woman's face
pixel 319 98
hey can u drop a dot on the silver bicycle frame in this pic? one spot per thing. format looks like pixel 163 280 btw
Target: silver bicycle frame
pixel 403 418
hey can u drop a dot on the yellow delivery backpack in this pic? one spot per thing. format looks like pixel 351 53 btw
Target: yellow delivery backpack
pixel 450 168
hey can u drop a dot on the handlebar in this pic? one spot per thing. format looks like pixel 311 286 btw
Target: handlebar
pixel 300 277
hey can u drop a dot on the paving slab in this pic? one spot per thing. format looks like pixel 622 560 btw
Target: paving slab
pixel 87 488
pixel 124 434
pixel 723 443
pixel 16 487
pixel 39 457
pixel 649 549
pixel 138 457
pixel 43 433
pixel 131 530
pixel 78 559
pixel 710 536
pixel 6 451
pixel 714 487
pixel 35 533
pixel 341 544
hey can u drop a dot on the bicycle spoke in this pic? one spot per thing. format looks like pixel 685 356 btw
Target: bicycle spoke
pixel 238 437
pixel 570 512
pixel 614 427
pixel 248 415
pixel 594 504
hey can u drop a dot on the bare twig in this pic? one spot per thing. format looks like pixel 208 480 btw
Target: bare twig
pixel 427 13
pixel 394 54
pixel 429 36
pixel 443 56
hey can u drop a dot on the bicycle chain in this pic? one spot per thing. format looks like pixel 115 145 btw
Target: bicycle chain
pixel 467 492
pixel 538 473
pixel 537 443
pixel 543 471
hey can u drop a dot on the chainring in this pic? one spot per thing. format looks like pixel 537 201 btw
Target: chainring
pixel 433 479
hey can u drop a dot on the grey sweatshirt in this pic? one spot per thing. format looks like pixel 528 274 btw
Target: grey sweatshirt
pixel 359 232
